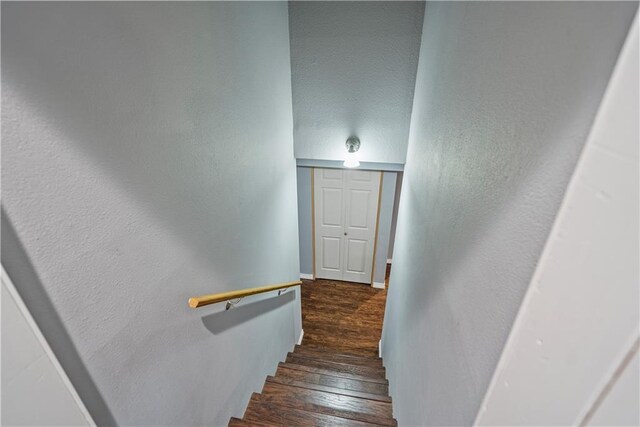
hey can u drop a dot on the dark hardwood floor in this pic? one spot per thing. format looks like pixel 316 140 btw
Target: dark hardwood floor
pixel 322 388
pixel 342 316
pixel 335 377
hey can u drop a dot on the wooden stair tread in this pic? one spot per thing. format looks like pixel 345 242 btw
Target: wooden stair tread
pixel 333 372
pixel 337 357
pixel 323 387
pixel 357 344
pixel 286 416
pixel 237 422
pixel 342 324
pixel 332 381
pixel 331 351
pixel 328 389
pixel 354 408
pixel 364 362
pixel 365 371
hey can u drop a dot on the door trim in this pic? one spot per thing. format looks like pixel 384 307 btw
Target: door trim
pixel 375 239
pixel 313 222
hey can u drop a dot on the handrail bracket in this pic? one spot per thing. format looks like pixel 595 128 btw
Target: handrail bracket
pixel 231 303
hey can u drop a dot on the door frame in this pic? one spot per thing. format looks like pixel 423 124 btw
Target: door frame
pixel 313 222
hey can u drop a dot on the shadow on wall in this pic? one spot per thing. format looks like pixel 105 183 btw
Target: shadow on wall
pixel 134 178
pixel 152 120
pixel 221 321
pixel 29 286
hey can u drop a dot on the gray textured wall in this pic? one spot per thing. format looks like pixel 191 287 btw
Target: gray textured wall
pixel 353 67
pixel 505 96
pixel 147 157
pixel 305 226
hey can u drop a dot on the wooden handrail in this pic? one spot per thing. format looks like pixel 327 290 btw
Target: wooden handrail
pixel 195 302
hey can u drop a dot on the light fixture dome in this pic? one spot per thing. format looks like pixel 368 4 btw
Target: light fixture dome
pixel 353 145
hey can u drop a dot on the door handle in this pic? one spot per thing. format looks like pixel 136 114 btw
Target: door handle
pixel 345 233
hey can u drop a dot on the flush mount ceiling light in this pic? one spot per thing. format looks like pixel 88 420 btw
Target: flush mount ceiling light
pixel 353 145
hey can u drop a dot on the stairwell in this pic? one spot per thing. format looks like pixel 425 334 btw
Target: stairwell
pixel 318 386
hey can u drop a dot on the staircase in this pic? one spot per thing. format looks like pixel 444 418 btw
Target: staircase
pixel 319 387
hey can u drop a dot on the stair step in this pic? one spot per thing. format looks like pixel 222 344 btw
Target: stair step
pixel 337 357
pixel 332 372
pixel 365 371
pixel 357 344
pixel 331 350
pixel 237 422
pixel 364 330
pixel 354 408
pixel 285 416
pixel 317 348
pixel 332 381
pixel 335 390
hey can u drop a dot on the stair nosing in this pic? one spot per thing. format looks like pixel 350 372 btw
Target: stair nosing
pixel 365 384
pixel 332 373
pixel 328 357
pixel 346 414
pixel 305 356
pixel 365 371
pixel 280 406
pixel 330 351
pixel 254 422
pixel 325 350
pixel 367 401
pixel 329 389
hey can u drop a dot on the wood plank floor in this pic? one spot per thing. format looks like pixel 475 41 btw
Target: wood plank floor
pixel 342 316
pixel 335 377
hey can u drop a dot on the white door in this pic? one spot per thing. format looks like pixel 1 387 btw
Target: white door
pixel 346 212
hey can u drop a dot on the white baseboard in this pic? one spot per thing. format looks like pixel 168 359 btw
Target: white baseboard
pixel 389 260
pixel 378 285
pixel 306 276
pixel 301 336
